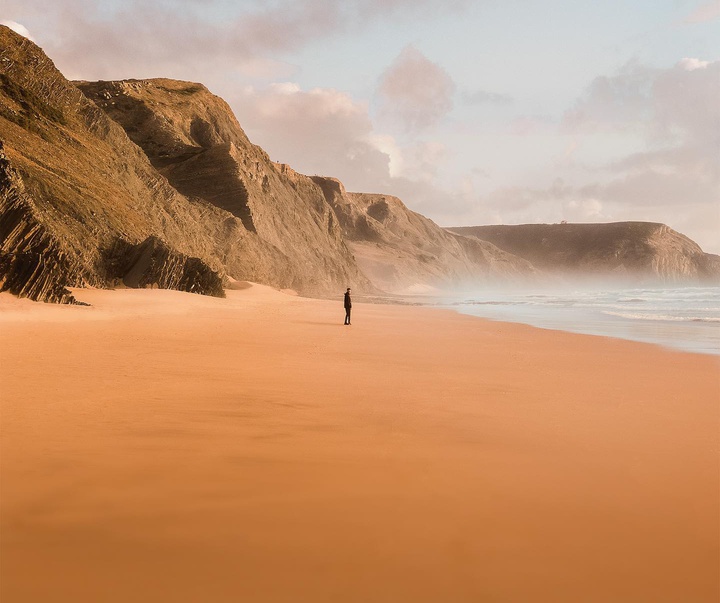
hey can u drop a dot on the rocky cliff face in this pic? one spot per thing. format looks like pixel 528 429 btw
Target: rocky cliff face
pixel 192 137
pixel 72 186
pixel 76 190
pixel 33 262
pixel 634 251
pixel 401 250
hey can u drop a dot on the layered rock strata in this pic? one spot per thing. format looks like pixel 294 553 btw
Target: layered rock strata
pixel 33 262
pixel 192 137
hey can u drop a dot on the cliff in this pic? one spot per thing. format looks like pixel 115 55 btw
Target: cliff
pixel 82 205
pixel 73 187
pixel 625 251
pixel 401 250
pixel 193 139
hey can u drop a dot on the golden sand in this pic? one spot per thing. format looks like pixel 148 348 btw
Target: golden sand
pixel 161 446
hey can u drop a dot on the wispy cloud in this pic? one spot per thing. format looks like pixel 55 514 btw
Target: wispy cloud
pixel 709 11
pixel 319 131
pixel 673 106
pixel 622 100
pixel 102 40
pixel 691 64
pixel 414 92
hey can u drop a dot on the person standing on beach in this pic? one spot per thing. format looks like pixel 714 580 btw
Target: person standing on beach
pixel 348 306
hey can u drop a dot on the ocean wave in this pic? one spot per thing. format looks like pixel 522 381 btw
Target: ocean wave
pixel 492 303
pixel 662 317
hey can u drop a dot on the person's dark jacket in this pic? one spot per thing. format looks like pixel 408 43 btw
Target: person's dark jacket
pixel 348 301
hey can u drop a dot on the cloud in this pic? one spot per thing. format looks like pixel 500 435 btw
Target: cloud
pixel 18 28
pixel 654 188
pixel 424 159
pixel 618 101
pixel 389 145
pixel 690 64
pixel 186 38
pixel 668 107
pixel 414 93
pixel 686 104
pixel 320 131
pixel 705 12
pixel 374 9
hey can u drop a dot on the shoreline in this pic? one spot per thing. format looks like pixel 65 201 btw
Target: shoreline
pixel 169 446
pixel 571 311
pixel 10 301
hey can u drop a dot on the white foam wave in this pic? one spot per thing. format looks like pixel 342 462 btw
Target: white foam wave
pixel 662 317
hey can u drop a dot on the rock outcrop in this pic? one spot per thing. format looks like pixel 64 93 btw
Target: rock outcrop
pixel 154 263
pixel 33 262
pixel 401 250
pixel 623 251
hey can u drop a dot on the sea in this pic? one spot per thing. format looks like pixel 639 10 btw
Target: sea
pixel 681 318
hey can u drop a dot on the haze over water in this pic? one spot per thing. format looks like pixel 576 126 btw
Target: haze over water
pixel 683 318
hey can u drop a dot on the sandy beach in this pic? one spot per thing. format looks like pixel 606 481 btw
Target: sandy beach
pixel 162 446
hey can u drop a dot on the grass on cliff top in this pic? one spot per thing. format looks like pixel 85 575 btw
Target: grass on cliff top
pixel 188 90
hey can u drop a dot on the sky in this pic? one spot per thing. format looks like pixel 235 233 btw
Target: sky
pixel 472 112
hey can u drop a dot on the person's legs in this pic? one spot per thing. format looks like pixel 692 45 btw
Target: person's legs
pixel 347 316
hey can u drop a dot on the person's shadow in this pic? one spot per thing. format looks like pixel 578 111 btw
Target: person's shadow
pixel 321 324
